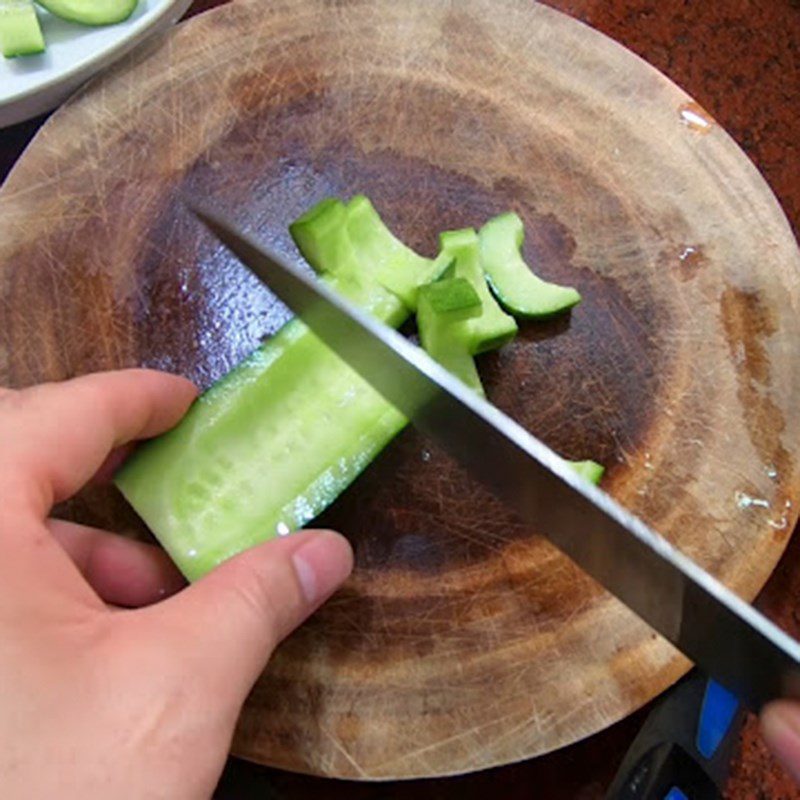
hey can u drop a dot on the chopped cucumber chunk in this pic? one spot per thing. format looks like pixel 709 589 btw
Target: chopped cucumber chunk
pixel 590 470
pixel 493 327
pixel 516 287
pixel 443 315
pixel 20 32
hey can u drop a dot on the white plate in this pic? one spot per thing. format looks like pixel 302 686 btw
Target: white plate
pixel 31 85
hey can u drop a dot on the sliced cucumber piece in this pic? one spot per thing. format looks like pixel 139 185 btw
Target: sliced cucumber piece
pixel 516 287
pixel 590 470
pixel 20 32
pixel 318 235
pixel 336 238
pixel 91 12
pixel 444 312
pixel 493 328
pixel 398 268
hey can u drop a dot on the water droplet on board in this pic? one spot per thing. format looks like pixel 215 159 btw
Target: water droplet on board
pixel 426 456
pixel 779 524
pixel 690 259
pixel 771 472
pixel 695 117
pixel 746 501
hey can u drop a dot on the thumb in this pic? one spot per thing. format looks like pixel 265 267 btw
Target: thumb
pixel 229 622
pixel 780 726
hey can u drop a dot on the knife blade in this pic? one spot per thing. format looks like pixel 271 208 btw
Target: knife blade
pixel 726 637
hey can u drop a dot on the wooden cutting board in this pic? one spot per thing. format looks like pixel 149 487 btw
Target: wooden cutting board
pixel 463 639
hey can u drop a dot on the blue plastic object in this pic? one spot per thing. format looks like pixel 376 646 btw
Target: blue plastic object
pixel 716 716
pixel 676 794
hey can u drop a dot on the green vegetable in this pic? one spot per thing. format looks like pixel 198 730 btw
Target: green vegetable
pixel 20 33
pixel 517 288
pixel 318 236
pixel 493 327
pixel 274 442
pixel 399 269
pixel 267 448
pixel 396 267
pixel 443 316
pixel 590 470
pixel 90 12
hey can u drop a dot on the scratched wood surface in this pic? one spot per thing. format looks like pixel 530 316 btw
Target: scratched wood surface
pixel 463 639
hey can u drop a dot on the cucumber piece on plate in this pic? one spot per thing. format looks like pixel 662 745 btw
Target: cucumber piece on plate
pixel 518 289
pixel 91 12
pixel 20 32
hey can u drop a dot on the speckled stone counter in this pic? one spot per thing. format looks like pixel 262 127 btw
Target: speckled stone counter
pixel 741 60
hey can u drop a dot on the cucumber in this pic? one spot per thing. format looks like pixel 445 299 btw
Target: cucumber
pixel 267 448
pixel 443 314
pixel 398 268
pixel 493 327
pixel 365 242
pixel 275 441
pixel 318 236
pixel 20 32
pixel 91 12
pixel 516 287
pixel 590 470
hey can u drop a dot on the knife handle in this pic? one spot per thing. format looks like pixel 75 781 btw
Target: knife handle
pixel 684 748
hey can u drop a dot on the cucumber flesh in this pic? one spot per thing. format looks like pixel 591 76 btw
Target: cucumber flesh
pixel 444 312
pixel 516 287
pixel 91 12
pixel 318 235
pixel 397 268
pixel 338 238
pixel 493 328
pixel 267 448
pixel 20 32
pixel 590 470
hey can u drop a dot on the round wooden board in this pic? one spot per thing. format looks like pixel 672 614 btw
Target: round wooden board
pixel 463 639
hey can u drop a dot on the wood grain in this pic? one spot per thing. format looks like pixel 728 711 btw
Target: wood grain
pixel 463 640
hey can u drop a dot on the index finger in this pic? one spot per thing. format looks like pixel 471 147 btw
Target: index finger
pixel 54 437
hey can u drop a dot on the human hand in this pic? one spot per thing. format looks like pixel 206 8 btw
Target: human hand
pixel 106 702
pixel 780 726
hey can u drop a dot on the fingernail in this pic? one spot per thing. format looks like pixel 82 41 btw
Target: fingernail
pixel 780 725
pixel 322 564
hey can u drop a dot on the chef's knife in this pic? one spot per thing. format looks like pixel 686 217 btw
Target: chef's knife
pixel 723 635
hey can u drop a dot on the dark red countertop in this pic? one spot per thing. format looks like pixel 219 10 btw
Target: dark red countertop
pixel 741 60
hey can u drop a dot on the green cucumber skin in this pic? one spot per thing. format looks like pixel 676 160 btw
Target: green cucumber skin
pixel 266 449
pixel 493 328
pixel 515 286
pixel 20 32
pixel 91 12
